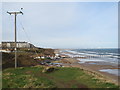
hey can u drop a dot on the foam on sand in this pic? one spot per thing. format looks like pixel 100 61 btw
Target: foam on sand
pixel 89 60
pixel 111 71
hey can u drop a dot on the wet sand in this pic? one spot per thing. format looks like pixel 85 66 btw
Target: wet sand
pixel 92 68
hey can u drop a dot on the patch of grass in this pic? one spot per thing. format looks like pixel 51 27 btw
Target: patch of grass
pixel 64 77
pixel 24 78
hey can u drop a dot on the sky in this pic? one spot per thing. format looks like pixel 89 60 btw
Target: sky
pixel 63 24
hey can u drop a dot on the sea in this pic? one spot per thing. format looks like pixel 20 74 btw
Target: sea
pixel 97 56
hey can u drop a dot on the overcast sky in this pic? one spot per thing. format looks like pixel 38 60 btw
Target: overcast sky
pixel 63 25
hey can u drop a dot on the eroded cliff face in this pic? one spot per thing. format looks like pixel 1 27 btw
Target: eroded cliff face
pixel 39 51
pixel 25 57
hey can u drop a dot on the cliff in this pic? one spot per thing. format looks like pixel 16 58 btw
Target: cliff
pixel 25 57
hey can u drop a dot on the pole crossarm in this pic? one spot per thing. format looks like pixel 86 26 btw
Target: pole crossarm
pixel 15 12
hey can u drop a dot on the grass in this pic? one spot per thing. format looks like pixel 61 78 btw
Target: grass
pixel 64 77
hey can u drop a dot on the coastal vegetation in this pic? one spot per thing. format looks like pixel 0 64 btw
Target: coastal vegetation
pixel 61 77
pixel 25 57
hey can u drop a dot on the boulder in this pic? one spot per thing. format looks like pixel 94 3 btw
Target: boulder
pixel 49 69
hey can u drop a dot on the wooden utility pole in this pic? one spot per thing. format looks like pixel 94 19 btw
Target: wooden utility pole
pixel 15 14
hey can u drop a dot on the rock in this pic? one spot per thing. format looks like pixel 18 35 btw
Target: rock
pixel 49 69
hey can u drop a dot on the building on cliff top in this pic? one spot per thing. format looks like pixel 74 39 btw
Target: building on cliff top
pixel 19 45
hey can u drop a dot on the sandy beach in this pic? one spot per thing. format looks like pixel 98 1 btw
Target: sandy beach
pixel 93 69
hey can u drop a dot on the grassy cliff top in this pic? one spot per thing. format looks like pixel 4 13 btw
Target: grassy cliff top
pixel 63 77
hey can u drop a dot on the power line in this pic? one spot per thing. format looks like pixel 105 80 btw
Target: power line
pixel 27 35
